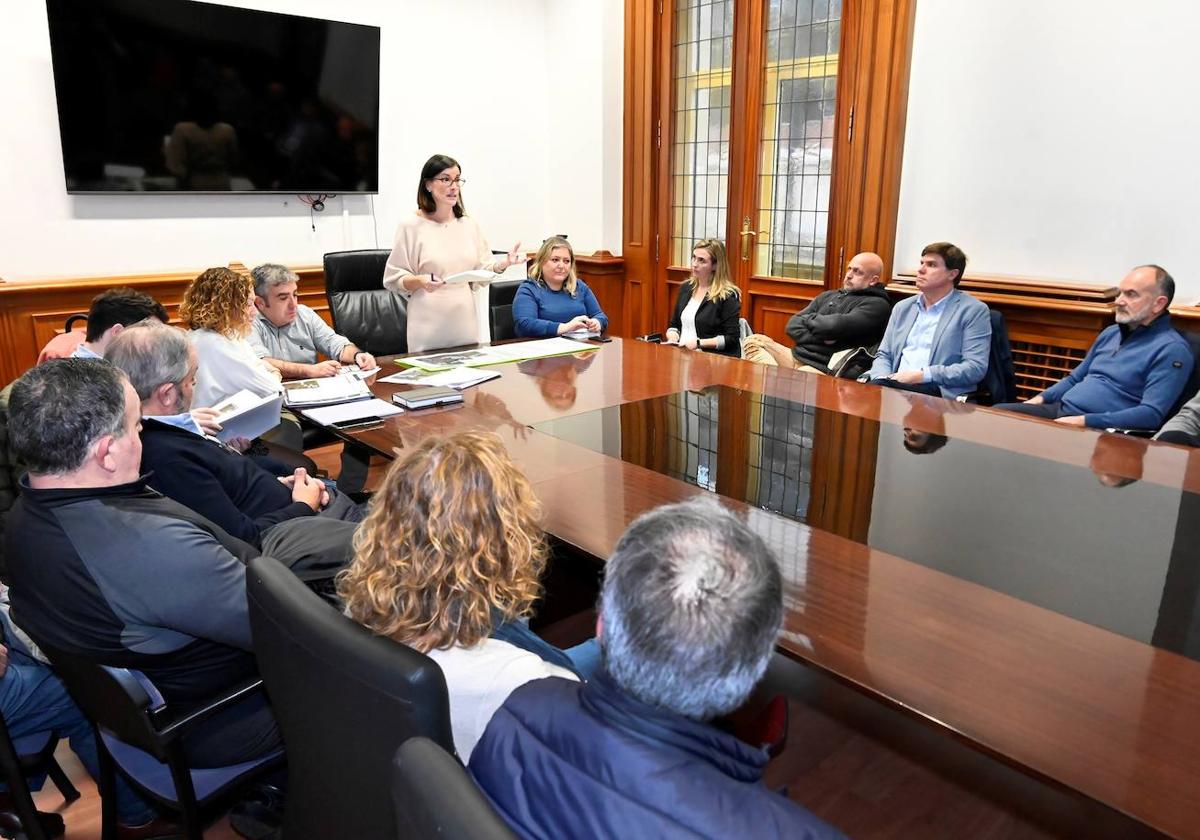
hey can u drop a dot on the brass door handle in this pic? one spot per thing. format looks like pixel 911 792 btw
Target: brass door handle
pixel 746 232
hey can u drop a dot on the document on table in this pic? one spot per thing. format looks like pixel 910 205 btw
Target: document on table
pixel 348 412
pixel 325 390
pixel 458 377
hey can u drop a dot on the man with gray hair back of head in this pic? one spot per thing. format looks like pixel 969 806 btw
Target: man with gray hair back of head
pixel 288 335
pixel 690 608
pixel 292 519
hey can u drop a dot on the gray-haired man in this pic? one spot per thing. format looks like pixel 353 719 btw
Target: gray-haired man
pixel 288 335
pixel 690 608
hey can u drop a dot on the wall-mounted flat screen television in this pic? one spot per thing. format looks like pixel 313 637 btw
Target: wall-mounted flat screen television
pixel 180 96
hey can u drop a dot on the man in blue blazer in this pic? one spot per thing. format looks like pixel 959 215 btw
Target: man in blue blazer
pixel 936 342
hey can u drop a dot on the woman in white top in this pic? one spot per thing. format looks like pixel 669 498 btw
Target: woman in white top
pixel 709 307
pixel 218 307
pixel 439 241
pixel 452 549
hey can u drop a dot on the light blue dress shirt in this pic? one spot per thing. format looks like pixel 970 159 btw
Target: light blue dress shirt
pixel 918 346
pixel 83 352
pixel 183 421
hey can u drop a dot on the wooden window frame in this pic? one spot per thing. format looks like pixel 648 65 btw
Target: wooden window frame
pixel 869 147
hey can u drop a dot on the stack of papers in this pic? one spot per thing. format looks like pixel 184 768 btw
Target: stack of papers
pixel 516 352
pixel 247 415
pixel 458 377
pixel 372 409
pixel 327 390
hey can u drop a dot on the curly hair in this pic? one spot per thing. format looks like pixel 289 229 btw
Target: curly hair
pixel 216 300
pixel 452 544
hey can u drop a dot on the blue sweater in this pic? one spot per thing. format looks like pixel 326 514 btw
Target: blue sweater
pixel 1129 379
pixel 537 310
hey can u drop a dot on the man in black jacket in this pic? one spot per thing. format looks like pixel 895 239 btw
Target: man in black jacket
pixel 198 471
pixel 840 319
pixel 104 567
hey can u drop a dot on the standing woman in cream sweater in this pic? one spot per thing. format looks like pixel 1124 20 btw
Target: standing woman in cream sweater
pixel 436 242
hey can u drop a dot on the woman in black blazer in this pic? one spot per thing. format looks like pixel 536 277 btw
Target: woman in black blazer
pixel 709 305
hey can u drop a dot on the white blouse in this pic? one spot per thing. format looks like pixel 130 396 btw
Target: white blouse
pixel 687 320
pixel 479 680
pixel 227 366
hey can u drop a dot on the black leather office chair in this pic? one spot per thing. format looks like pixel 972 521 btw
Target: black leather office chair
pixel 434 797
pixel 500 298
pixel 143 736
pixel 375 319
pixel 345 699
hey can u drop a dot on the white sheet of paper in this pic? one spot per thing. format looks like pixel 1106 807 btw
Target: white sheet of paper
pixel 330 414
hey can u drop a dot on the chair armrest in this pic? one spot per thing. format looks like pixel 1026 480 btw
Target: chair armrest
pixel 179 726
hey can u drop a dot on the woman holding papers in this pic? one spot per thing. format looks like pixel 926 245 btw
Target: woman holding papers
pixel 554 301
pixel 709 305
pixel 218 307
pixel 437 242
pixel 449 562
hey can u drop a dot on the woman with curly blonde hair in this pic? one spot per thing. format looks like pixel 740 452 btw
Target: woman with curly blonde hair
pixel 218 307
pixel 450 551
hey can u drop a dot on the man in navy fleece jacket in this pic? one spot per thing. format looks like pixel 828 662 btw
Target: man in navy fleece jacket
pixel 233 491
pixel 1134 372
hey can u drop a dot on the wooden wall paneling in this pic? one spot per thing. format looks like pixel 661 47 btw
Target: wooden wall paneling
pixel 873 88
pixel 33 312
pixel 638 245
pixel 605 276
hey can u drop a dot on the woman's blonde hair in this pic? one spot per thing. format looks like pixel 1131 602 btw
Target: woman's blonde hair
pixel 451 545
pixel 216 300
pixel 544 253
pixel 722 281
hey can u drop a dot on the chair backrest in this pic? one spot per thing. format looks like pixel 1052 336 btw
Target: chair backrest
pixel 345 700
pixel 375 319
pixel 999 384
pixel 500 299
pixel 434 797
pixel 744 330
pixel 119 701
pixel 1192 387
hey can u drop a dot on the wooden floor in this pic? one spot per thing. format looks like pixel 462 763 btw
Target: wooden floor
pixel 873 772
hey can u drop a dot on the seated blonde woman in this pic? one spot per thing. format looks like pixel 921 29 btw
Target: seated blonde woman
pixel 451 551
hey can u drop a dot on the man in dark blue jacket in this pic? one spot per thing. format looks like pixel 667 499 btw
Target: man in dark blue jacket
pixel 690 609
pixel 1135 370
pixel 229 489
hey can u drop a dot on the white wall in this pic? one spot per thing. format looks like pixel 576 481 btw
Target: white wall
pixel 490 112
pixel 1055 139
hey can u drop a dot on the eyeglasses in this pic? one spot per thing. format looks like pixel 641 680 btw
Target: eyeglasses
pixel 447 180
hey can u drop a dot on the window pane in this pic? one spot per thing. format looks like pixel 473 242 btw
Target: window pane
pixel 700 123
pixel 800 85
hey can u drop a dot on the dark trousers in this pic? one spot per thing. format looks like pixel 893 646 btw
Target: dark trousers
pixel 240 733
pixel 1050 411
pixel 1182 438
pixel 928 388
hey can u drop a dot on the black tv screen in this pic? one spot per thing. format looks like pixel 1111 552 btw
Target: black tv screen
pixel 182 96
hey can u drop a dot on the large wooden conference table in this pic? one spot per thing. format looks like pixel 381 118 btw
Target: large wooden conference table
pixel 1029 589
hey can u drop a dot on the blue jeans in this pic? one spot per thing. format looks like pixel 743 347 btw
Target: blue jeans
pixel 33 700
